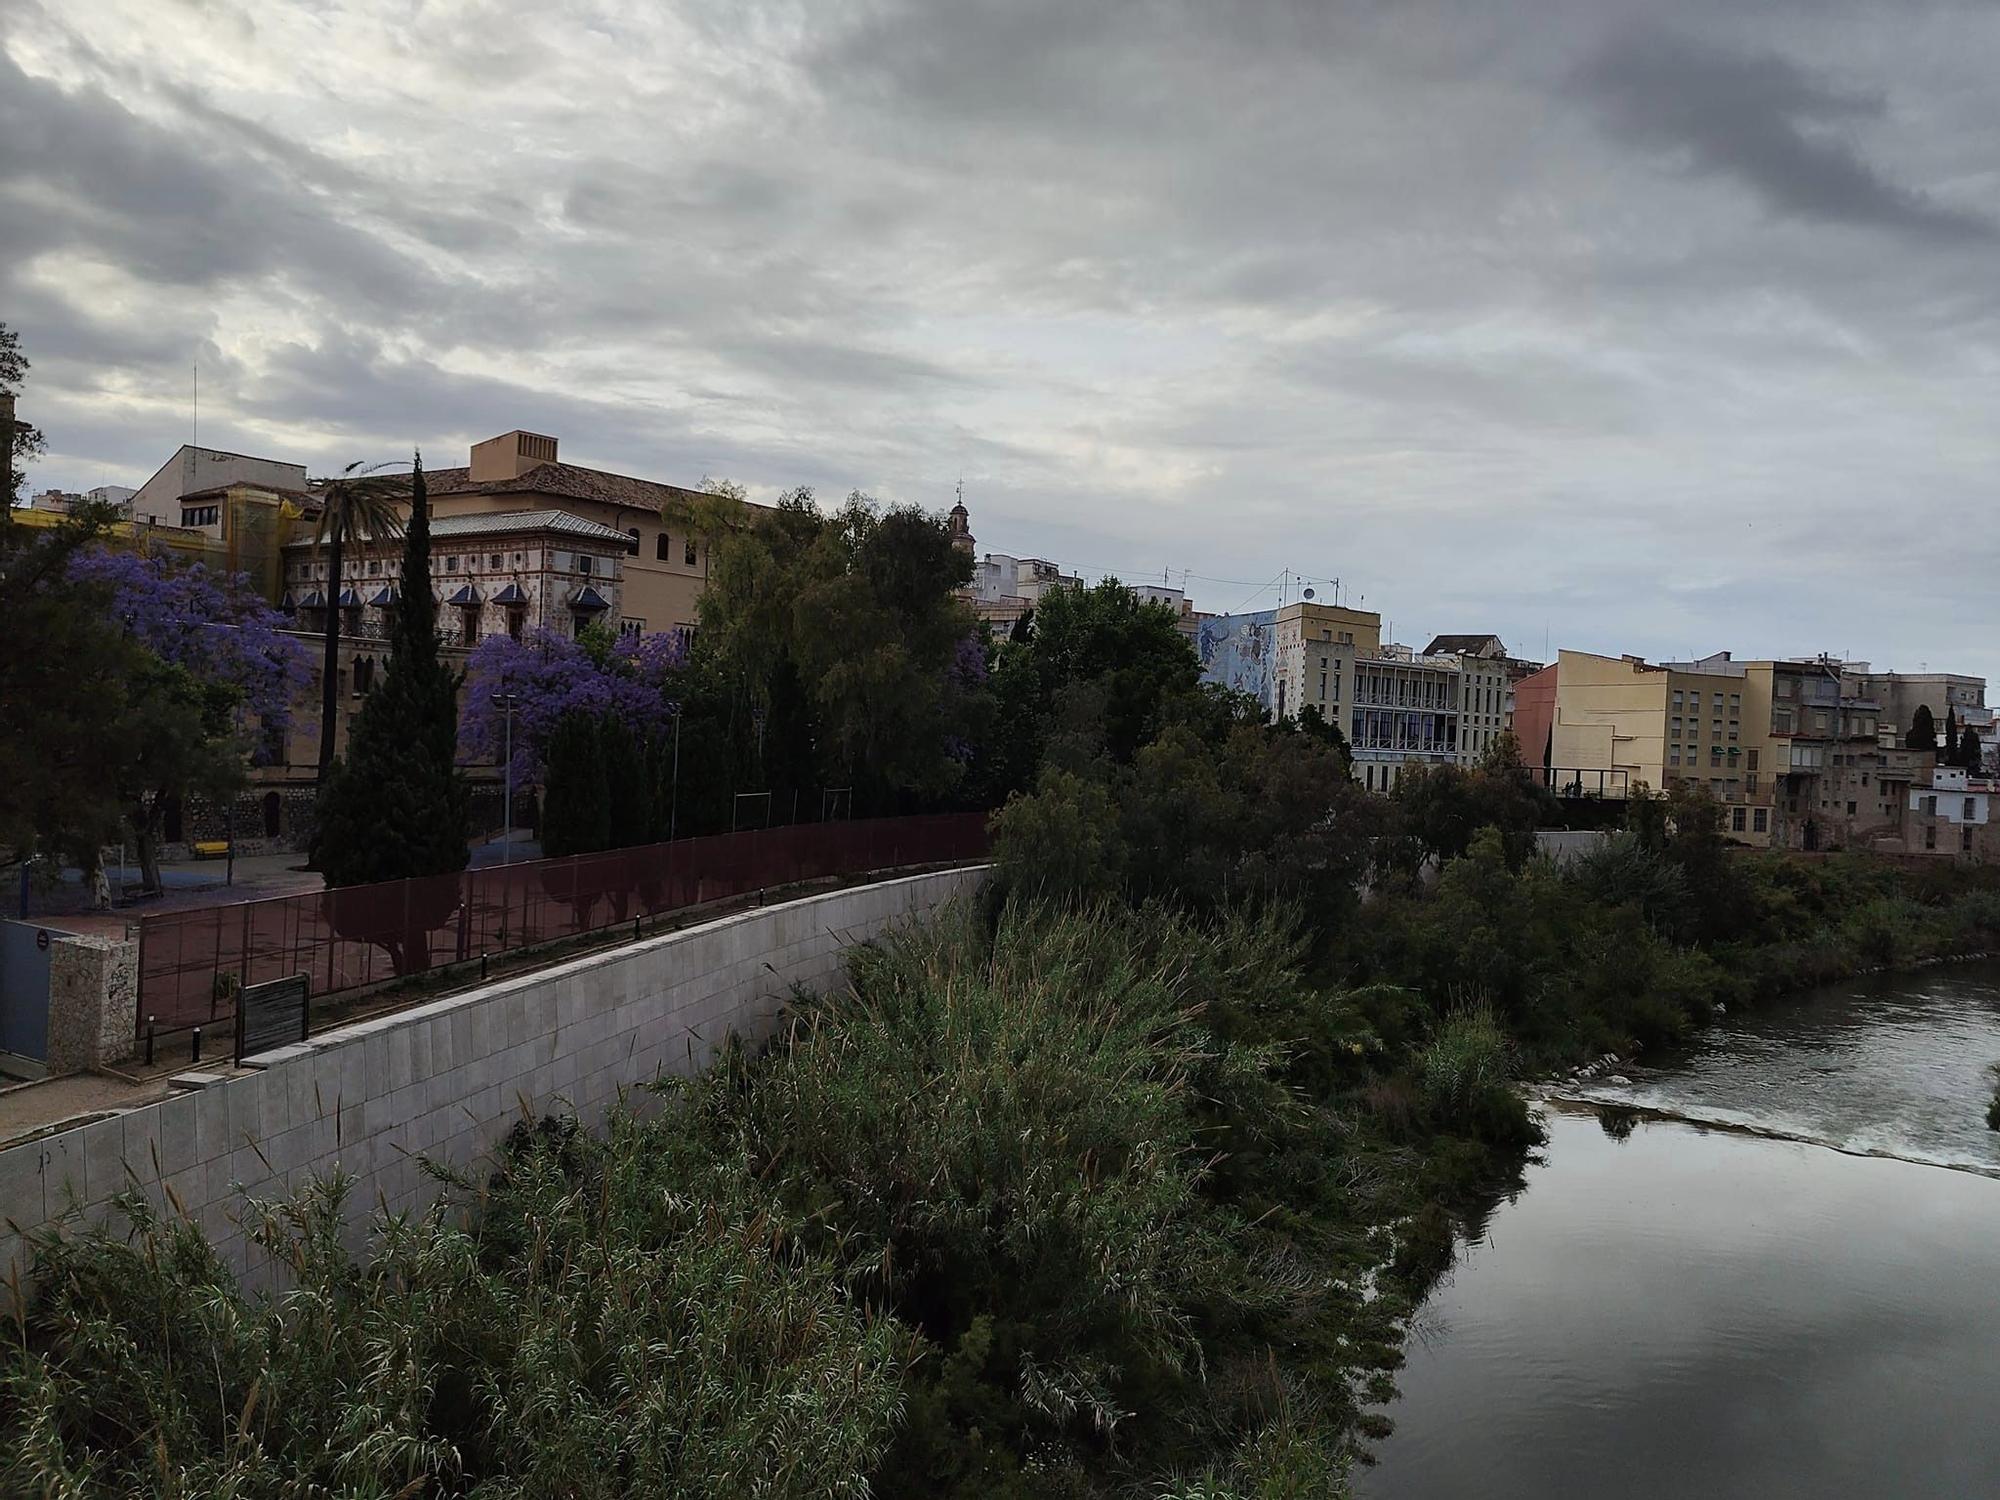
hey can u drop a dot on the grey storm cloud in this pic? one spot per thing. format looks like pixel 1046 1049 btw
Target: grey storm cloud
pixel 1765 121
pixel 1621 326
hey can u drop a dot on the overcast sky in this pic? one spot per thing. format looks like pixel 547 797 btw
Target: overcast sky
pixel 1664 328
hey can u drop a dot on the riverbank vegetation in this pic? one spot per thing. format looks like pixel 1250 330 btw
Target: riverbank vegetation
pixel 1123 1180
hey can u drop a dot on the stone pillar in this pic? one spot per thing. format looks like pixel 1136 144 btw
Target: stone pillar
pixel 93 1002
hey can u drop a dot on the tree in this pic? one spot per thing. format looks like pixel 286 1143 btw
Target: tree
pixel 1948 744
pixel 65 672
pixel 396 806
pixel 25 441
pixel 576 808
pixel 1970 753
pixel 1923 730
pixel 1143 670
pixel 224 701
pixel 359 503
pixel 551 676
pixel 857 611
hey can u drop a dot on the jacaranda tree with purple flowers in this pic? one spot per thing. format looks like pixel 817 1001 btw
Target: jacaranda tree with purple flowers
pixel 214 689
pixel 555 677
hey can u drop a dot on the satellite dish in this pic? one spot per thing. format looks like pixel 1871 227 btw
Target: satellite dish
pixel 1309 594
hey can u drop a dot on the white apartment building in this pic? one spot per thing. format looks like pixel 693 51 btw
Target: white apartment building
pixel 1395 707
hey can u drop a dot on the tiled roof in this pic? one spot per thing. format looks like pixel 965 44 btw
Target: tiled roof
pixel 525 520
pixel 1452 645
pixel 565 481
pixel 515 522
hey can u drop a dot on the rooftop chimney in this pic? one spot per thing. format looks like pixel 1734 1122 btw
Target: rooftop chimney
pixel 510 455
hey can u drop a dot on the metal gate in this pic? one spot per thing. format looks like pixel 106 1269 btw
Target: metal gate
pixel 24 989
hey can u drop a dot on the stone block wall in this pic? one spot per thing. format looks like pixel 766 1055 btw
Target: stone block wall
pixel 448 1079
pixel 93 1002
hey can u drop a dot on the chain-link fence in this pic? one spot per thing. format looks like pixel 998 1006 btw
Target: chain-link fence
pixel 193 963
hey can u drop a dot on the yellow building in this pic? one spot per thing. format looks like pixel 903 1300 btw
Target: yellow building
pixel 667 558
pixel 1622 722
pixel 234 528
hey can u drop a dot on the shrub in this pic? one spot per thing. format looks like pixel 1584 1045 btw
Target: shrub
pixel 1464 1080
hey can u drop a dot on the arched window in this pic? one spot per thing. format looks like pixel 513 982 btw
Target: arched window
pixel 660 547
pixel 633 532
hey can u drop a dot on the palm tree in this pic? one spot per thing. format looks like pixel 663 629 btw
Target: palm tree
pixel 361 502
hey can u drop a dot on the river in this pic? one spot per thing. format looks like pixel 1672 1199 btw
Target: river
pixel 1767 1266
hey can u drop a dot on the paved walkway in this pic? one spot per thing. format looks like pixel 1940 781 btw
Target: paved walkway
pixel 29 1107
pixel 196 882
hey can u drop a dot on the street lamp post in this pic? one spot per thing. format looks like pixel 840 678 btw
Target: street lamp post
pixel 507 703
pixel 674 802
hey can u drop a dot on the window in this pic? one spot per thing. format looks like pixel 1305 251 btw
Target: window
pixel 660 553
pixel 1673 758
pixel 690 552
pixel 1736 819
pixel 1850 809
pixel 633 533
pixel 1760 820
pixel 493 561
pixel 1715 756
pixel 1753 760
pixel 1677 729
pixel 1322 685
pixel 582 563
pixel 1717 698
pixel 1969 813
pixel 519 558
pixel 451 565
pixel 516 619
pixel 1750 783
pixel 1677 698
pixel 364 675
pixel 375 568
pixel 631 627
pixel 200 515
pixel 1930 807
pixel 1735 703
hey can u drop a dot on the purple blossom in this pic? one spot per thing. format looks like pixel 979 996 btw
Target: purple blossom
pixel 552 676
pixel 213 624
pixel 968 663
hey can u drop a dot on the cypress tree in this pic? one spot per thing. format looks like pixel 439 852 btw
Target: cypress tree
pixel 1923 729
pixel 626 783
pixel 396 805
pixel 1949 743
pixel 1969 752
pixel 576 801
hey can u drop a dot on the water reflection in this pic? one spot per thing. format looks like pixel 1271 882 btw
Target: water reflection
pixel 1674 1311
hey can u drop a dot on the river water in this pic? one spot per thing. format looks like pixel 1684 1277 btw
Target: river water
pixel 1675 1306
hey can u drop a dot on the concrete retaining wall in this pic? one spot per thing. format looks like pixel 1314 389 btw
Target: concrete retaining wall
pixel 448 1079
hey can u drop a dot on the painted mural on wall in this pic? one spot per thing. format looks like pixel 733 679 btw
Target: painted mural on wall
pixel 1240 652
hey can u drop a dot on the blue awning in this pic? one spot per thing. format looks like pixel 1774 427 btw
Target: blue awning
pixel 288 603
pixel 385 597
pixel 512 594
pixel 349 599
pixel 466 594
pixel 313 600
pixel 588 600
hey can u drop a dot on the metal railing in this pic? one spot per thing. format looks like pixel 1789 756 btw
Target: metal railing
pixel 193 963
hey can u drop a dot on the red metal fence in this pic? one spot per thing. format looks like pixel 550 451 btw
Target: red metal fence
pixel 191 961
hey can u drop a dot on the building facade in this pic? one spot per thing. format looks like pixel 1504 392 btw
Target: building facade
pixel 667 528
pixel 508 573
pixel 1397 708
